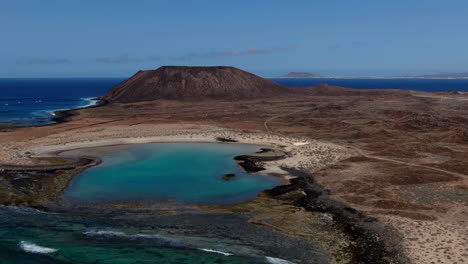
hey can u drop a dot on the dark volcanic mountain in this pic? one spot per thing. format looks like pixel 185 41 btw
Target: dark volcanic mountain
pixel 193 83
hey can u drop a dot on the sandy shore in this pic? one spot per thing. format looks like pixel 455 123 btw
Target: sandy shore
pixel 302 153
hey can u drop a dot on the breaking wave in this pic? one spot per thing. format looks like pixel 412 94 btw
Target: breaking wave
pixel 90 101
pixel 215 251
pixel 33 248
pixel 160 240
pixel 105 233
pixel 278 261
pixel 21 209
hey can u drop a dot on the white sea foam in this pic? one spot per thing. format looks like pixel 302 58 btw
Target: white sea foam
pixel 105 233
pixel 33 248
pixel 90 101
pixel 117 234
pixel 164 240
pixel 120 234
pixel 216 251
pixel 301 143
pixel 22 209
pixel 278 261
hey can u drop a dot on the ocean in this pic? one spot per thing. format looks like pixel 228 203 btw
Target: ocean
pixel 32 101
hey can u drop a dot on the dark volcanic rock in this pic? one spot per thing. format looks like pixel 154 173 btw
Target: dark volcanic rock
pixel 449 92
pixel 373 242
pixel 222 139
pixel 228 177
pixel 193 83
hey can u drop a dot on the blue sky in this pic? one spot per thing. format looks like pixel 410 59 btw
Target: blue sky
pixel 71 38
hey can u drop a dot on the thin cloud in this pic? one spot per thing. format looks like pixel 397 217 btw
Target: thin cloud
pixel 261 51
pixel 357 44
pixel 221 53
pixel 233 52
pixel 118 59
pixel 35 61
pixel 154 58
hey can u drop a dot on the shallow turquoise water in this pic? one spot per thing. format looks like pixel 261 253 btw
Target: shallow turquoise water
pixel 169 172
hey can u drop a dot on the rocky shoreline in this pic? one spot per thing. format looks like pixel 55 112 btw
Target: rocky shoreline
pixel 62 116
pixel 59 116
pixel 374 243
pixel 35 185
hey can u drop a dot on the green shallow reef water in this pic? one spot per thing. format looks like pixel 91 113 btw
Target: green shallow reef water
pixel 169 172
pixel 28 236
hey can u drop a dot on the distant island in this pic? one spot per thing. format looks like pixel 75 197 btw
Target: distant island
pixel 301 75
pixel 461 75
pixel 443 75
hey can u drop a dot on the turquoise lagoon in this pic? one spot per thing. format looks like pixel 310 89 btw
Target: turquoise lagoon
pixel 169 172
pixel 161 172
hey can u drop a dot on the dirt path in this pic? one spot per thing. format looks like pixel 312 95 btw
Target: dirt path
pixel 265 124
pixel 362 153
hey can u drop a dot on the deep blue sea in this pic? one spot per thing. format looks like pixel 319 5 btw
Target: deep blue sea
pixel 32 101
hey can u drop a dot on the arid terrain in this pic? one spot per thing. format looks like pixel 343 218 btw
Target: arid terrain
pixel 398 157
